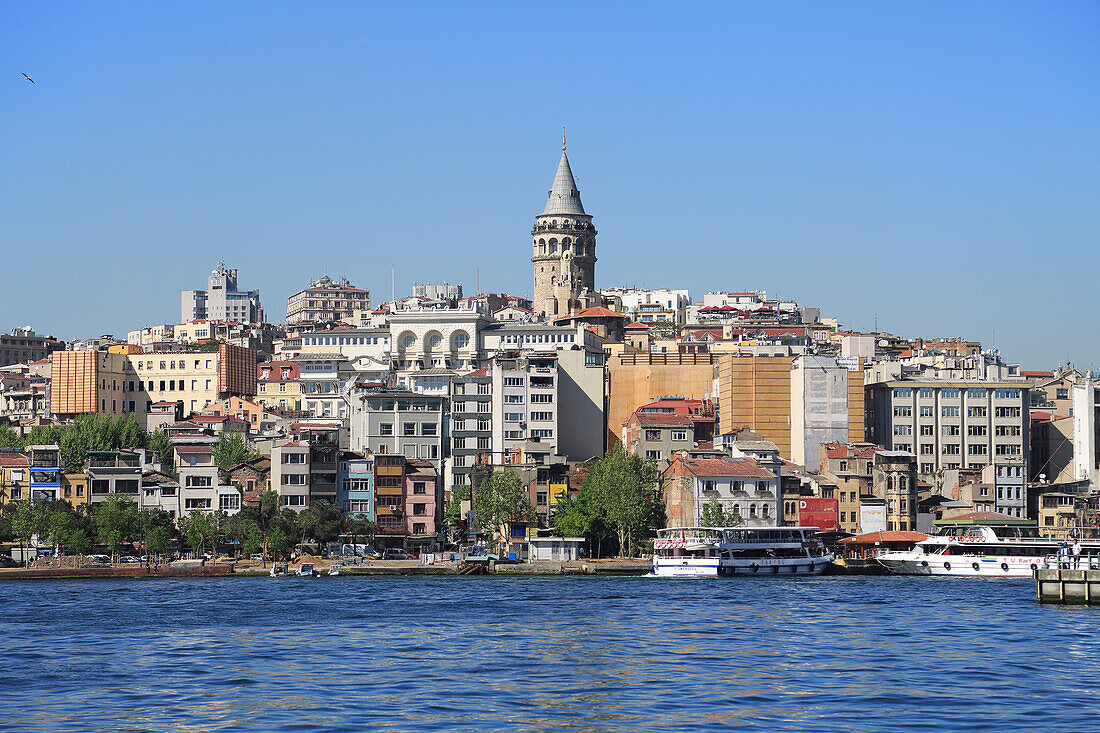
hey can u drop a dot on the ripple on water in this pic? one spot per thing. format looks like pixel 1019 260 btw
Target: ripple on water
pixel 570 654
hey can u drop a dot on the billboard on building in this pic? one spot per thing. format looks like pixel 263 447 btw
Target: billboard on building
pixel 872 518
pixel 818 512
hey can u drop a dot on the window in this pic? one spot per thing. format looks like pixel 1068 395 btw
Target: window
pixel 653 455
pixel 542 398
pixel 294 458
pixel 951 449
pixel 949 411
pixel 903 430
pixel 927 411
pixel 652 434
pixel 513 381
pixel 977 412
pixel 927 449
pixel 542 416
pixel 976 430
pixel 975 393
pixel 951 429
pixel 926 393
pixel 419 528
pixel 927 430
pixel 679 435
pixel 428 428
pixel 903 411
pixel 514 399
pixel 1007 412
pixel 977 449
pixel 1007 394
pixel 1060 394
pixel 902 392
pixel 385 428
pixel 420 510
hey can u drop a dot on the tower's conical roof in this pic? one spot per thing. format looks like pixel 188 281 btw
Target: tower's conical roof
pixel 564 197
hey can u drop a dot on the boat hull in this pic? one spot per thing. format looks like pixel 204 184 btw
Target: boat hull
pixel 968 566
pixel 713 567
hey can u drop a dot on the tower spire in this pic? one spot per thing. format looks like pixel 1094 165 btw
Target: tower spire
pixel 563 138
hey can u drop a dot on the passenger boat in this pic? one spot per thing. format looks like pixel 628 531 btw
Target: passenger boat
pixel 984 551
pixel 279 570
pixel 336 568
pixel 710 552
pixel 306 570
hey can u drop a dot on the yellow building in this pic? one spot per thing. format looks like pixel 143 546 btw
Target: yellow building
pixel 15 479
pixel 74 488
pixel 755 391
pixel 278 385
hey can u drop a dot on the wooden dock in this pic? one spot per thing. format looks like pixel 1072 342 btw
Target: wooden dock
pixel 1061 585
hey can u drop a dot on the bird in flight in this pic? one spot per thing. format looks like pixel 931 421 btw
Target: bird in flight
pixel 28 78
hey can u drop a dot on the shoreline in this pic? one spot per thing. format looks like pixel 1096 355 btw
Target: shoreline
pixel 619 566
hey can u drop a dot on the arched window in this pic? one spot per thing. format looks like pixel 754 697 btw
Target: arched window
pixel 752 510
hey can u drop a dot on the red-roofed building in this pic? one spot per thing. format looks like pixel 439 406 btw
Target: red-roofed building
pixel 741 485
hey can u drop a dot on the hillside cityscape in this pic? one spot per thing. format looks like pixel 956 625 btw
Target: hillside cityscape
pixel 445 416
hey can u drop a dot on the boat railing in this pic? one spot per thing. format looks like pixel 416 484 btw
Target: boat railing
pixel 1084 561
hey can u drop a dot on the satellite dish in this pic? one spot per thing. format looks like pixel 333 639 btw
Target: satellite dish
pixel 884 343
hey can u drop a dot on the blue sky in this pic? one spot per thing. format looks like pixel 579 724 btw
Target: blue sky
pixel 933 164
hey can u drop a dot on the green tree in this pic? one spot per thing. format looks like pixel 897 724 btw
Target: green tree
pixel 454 519
pixel 161 444
pixel 713 514
pixel 230 450
pixel 253 540
pixel 157 541
pixel 9 438
pixel 622 489
pixel 321 522
pixel 501 498
pixel 199 531
pixel 117 522
pixel 23 524
pixel 360 527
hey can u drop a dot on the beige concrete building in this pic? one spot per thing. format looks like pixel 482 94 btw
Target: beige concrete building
pixel 326 301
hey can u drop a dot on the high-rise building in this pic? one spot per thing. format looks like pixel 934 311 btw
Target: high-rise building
pixel 564 243
pixel 221 301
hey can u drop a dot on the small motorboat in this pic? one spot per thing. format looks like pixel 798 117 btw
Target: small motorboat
pixel 336 568
pixel 306 570
pixel 279 570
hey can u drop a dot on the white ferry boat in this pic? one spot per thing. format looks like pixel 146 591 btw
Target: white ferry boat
pixel 697 552
pixel 984 551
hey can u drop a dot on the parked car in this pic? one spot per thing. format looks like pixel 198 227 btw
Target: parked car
pixel 372 554
pixel 130 559
pixel 99 558
pixel 394 553
pixel 7 561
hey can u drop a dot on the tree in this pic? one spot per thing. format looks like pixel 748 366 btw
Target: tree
pixel 500 499
pixel 161 444
pixel 622 489
pixel 199 530
pixel 9 438
pixel 231 450
pixel 253 540
pixel 321 522
pixel 713 514
pixel 157 540
pixel 117 522
pixel 23 524
pixel 454 518
pixel 360 527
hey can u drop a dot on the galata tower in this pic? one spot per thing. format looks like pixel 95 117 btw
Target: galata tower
pixel 564 243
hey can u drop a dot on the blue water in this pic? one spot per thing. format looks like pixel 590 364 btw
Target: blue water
pixel 544 653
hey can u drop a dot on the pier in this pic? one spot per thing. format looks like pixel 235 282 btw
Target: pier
pixel 1065 586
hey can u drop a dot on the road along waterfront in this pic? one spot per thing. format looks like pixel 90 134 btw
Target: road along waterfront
pixel 546 653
